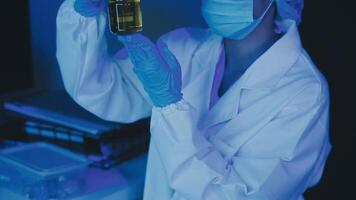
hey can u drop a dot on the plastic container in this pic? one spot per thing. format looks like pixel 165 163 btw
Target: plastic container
pixel 42 171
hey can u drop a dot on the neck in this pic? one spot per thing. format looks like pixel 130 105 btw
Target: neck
pixel 240 54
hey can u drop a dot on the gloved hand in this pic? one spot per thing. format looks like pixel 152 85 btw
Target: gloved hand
pixel 156 67
pixel 89 8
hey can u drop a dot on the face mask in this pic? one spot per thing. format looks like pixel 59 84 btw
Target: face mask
pixel 231 19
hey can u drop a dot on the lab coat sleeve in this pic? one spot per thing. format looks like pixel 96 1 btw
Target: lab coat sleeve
pixel 104 85
pixel 277 171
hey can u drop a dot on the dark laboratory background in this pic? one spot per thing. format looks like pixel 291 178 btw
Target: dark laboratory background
pixel 27 39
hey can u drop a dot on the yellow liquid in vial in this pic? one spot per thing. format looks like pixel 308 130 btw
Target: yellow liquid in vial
pixel 125 16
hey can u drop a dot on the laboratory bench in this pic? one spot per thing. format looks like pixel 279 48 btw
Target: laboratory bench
pixel 124 182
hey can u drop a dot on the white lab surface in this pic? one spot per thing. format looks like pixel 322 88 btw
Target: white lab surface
pixel 266 138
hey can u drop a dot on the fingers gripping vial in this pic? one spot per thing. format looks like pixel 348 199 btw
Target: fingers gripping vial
pixel 89 8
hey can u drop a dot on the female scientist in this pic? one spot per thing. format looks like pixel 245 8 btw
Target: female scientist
pixel 238 111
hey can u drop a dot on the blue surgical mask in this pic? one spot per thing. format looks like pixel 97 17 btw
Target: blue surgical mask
pixel 231 19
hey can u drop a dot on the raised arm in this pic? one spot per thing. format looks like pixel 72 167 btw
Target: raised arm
pixel 104 85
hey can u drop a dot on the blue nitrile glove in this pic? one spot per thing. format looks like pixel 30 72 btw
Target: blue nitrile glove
pixel 156 67
pixel 89 8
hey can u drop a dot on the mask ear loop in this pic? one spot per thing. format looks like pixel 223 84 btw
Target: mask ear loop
pixel 277 29
pixel 255 22
pixel 267 9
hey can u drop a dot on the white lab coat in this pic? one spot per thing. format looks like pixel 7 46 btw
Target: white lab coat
pixel 266 138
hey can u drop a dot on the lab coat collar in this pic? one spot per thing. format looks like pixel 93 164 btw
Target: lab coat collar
pixel 204 58
pixel 264 73
pixel 226 108
pixel 198 91
pixel 270 67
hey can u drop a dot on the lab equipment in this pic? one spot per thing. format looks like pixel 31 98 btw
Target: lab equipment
pixel 54 117
pixel 41 171
pixel 57 108
pixel 125 16
pixel 122 182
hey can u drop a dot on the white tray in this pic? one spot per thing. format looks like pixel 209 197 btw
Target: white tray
pixel 43 159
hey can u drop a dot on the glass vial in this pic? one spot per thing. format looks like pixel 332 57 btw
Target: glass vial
pixel 125 16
